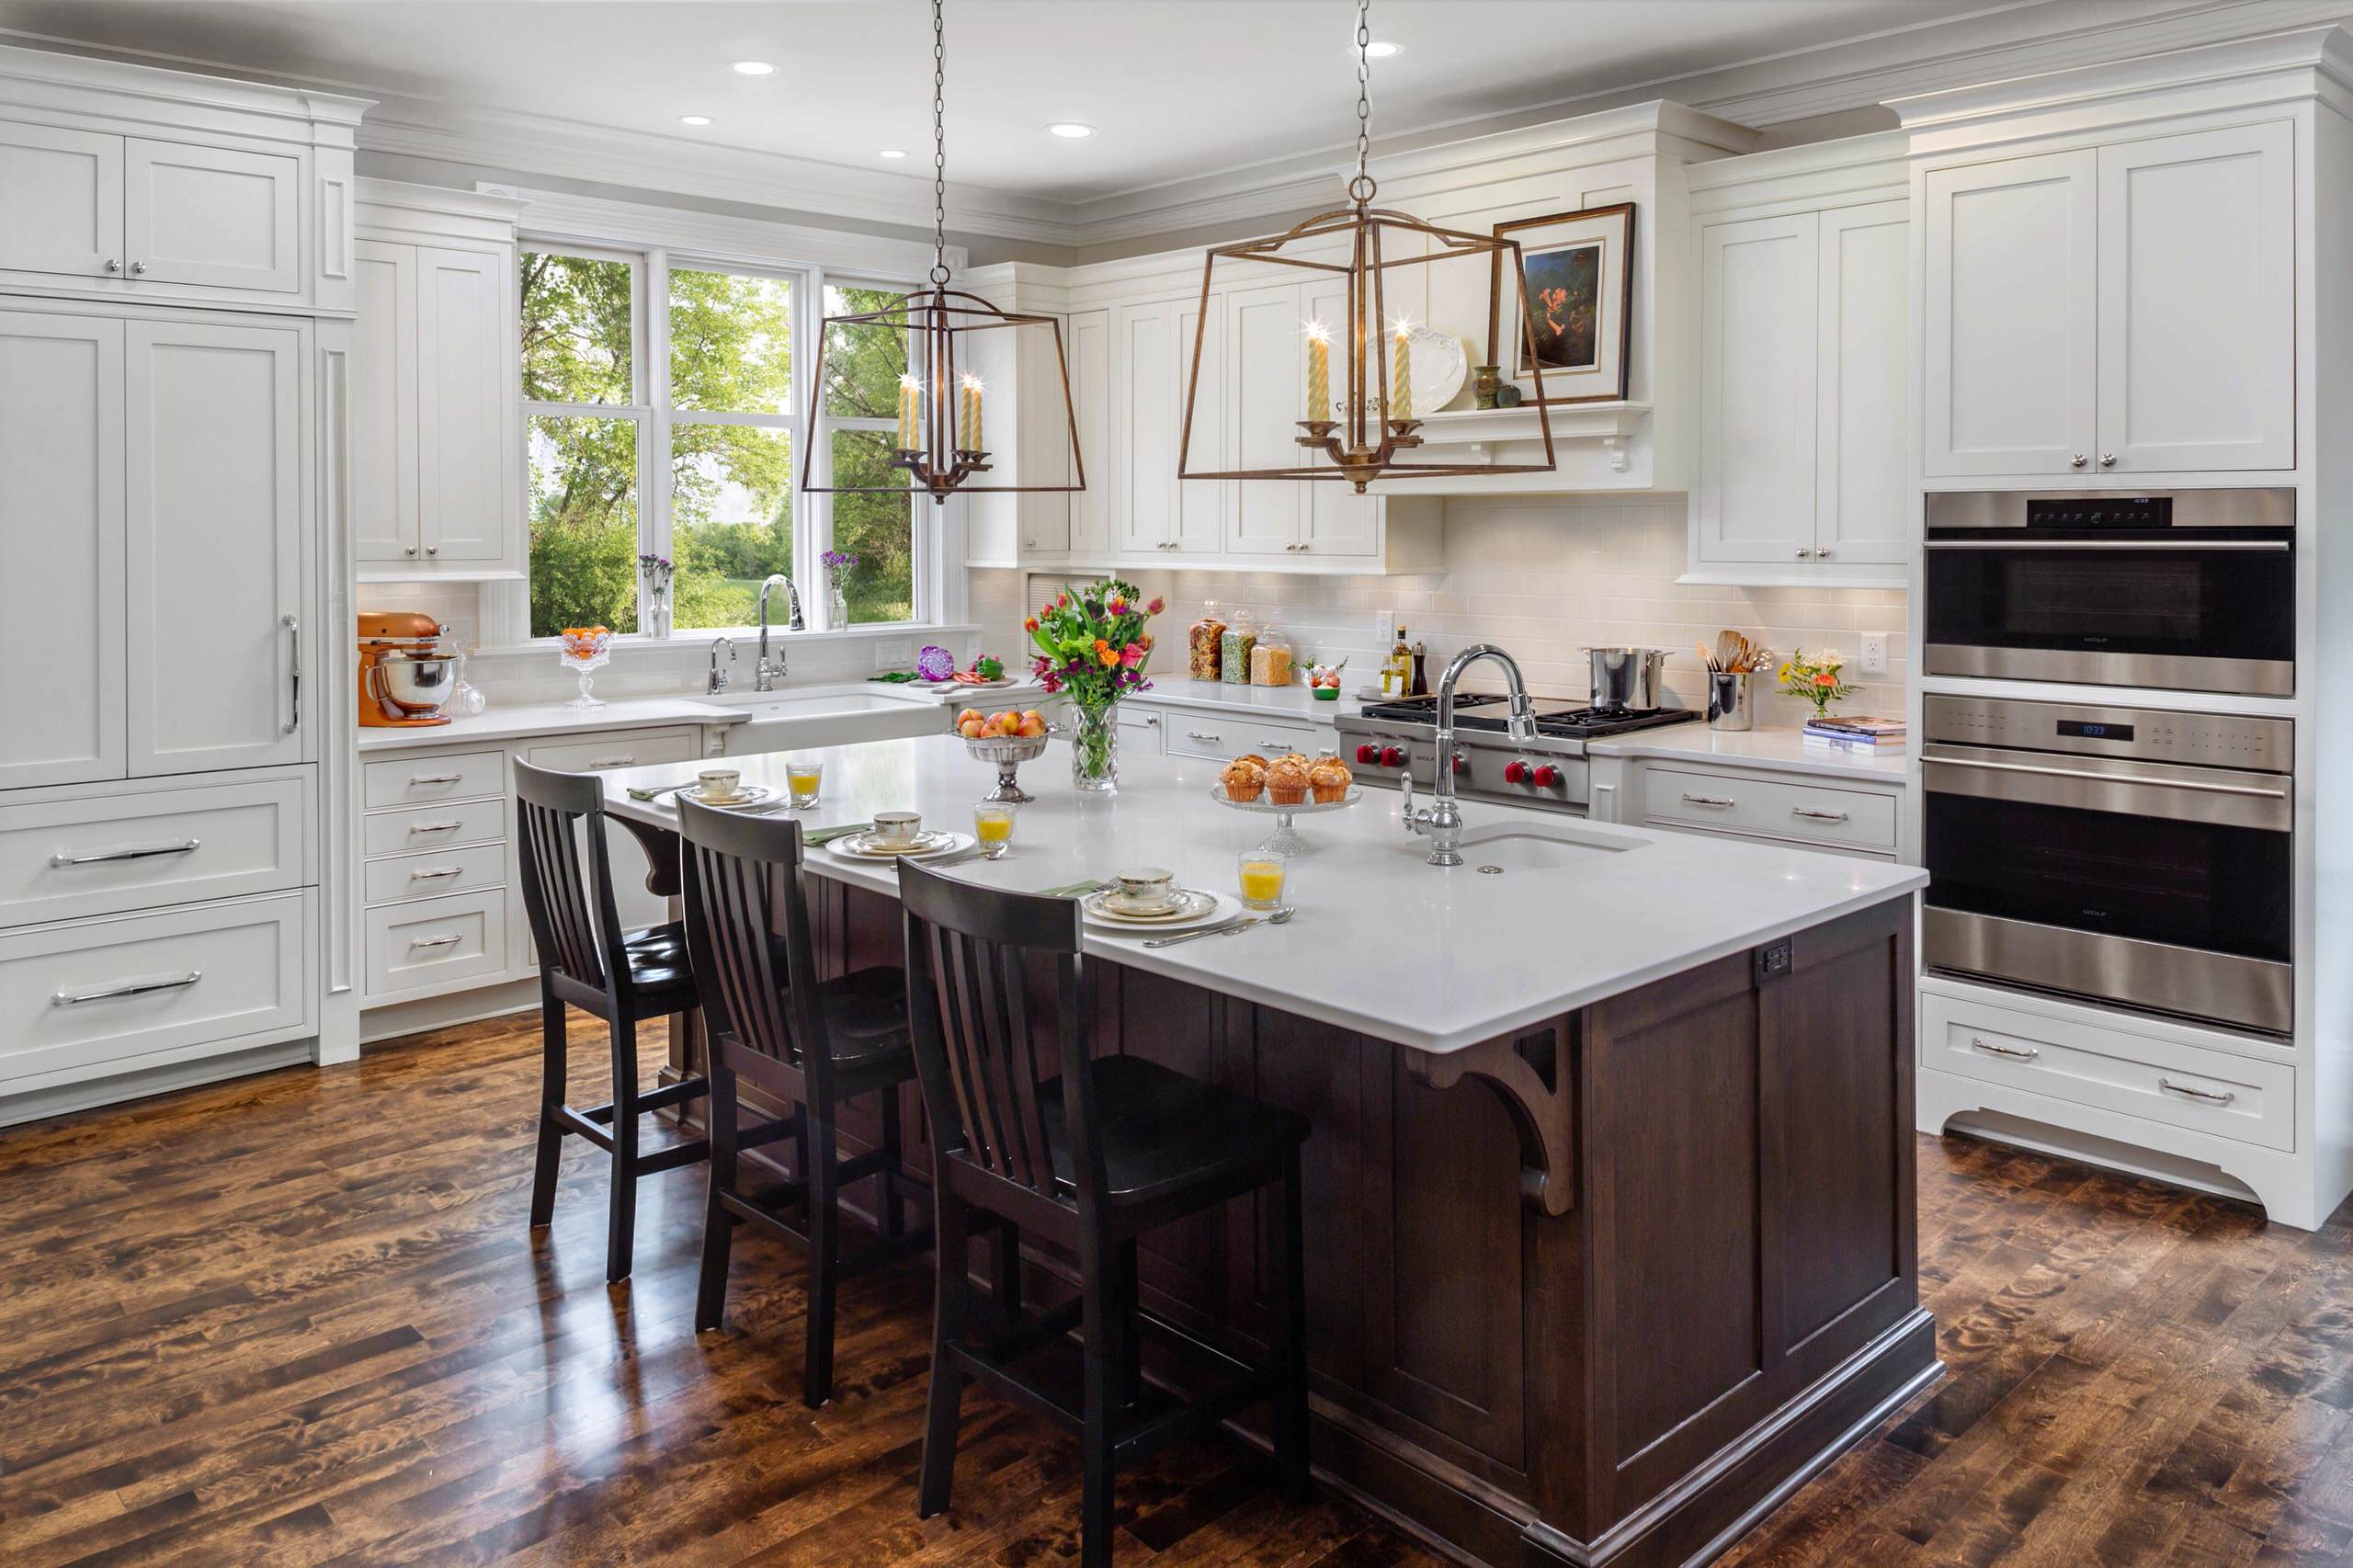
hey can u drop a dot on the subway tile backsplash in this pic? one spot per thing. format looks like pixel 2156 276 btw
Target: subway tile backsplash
pixel 1544 579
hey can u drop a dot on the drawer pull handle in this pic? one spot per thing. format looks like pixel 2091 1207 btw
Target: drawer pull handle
pixel 1277 746
pixel 1817 816
pixel 621 761
pixel 436 827
pixel 1718 801
pixel 133 852
pixel 2023 1053
pixel 293 660
pixel 448 941
pixel 1197 736
pixel 436 872
pixel 126 988
pixel 416 778
pixel 2213 1097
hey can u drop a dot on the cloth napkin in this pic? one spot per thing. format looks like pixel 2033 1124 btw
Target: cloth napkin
pixel 652 791
pixel 1074 890
pixel 827 835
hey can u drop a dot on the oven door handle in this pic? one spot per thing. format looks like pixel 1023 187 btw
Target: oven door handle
pixel 2192 785
pixel 2105 544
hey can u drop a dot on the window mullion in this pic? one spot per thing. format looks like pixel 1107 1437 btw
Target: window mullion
pixel 655 535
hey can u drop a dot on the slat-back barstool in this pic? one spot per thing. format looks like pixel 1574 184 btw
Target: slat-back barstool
pixel 577 929
pixel 809 1044
pixel 1088 1160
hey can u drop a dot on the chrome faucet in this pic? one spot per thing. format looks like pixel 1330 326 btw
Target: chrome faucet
pixel 719 676
pixel 764 675
pixel 1442 820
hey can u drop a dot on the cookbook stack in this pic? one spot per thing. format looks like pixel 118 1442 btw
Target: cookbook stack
pixel 1857 733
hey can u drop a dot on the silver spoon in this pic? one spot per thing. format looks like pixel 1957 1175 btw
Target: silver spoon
pixel 1276 918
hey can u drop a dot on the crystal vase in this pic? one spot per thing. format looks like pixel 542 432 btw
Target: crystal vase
pixel 837 606
pixel 1095 748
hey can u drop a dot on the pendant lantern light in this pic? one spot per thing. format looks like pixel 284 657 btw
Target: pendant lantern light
pixel 1358 429
pixel 937 334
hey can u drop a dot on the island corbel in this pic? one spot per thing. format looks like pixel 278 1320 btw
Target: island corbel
pixel 1534 1074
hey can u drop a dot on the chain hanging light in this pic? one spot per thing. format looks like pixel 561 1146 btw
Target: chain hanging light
pixel 940 438
pixel 1358 435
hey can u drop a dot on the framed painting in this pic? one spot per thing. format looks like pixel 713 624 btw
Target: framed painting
pixel 1578 270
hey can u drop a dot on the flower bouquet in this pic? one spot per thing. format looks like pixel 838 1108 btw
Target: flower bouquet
pixel 1093 645
pixel 838 564
pixel 1815 677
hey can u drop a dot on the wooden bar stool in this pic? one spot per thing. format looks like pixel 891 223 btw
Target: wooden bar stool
pixel 809 1044
pixel 1089 1160
pixel 554 812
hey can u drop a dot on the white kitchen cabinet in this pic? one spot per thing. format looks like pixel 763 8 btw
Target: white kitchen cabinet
pixel 2197 302
pixel 1760 388
pixel 62 189
pixel 2010 350
pixel 1202 505
pixel 435 417
pixel 215 555
pixel 1863 496
pixel 1087 348
pixel 62 544
pixel 213 217
pixel 1265 376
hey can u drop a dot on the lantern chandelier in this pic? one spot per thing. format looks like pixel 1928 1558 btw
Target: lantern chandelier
pixel 937 332
pixel 1358 435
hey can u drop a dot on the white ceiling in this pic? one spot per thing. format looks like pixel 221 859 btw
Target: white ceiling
pixel 1178 89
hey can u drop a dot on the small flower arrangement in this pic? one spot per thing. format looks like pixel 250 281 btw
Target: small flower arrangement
pixel 838 560
pixel 1815 677
pixel 838 564
pixel 657 570
pixel 1092 645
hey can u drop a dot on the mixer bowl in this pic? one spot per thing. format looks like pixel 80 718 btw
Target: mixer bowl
pixel 413 683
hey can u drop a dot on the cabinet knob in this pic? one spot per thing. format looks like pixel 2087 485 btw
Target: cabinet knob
pixel 137 268
pixel 432 550
pixel 2077 460
pixel 1805 555
pixel 2108 459
pixel 1822 554
pixel 412 550
pixel 113 265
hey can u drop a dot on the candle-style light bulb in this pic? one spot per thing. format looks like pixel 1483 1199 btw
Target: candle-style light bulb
pixel 910 411
pixel 1319 371
pixel 1401 374
pixel 970 438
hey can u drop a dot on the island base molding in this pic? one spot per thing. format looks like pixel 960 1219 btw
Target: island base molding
pixel 1724 1299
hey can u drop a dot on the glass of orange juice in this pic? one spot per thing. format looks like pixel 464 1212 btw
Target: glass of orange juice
pixel 1262 873
pixel 993 825
pixel 803 776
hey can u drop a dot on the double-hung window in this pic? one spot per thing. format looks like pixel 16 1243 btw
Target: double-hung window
pixel 662 399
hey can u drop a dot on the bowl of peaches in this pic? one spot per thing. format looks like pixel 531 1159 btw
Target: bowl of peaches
pixel 1008 739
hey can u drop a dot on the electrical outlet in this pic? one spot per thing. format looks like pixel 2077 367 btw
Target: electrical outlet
pixel 894 653
pixel 1874 652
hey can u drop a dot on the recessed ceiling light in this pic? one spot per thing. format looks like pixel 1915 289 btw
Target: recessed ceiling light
pixel 1377 50
pixel 694 119
pixel 895 151
pixel 1071 129
pixel 752 68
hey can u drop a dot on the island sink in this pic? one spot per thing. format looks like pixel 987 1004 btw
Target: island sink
pixel 1537 846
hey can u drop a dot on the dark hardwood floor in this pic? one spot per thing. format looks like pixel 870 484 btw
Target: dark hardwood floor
pixel 298 1319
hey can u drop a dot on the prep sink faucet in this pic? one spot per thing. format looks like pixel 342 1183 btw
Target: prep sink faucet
pixel 1442 819
pixel 764 675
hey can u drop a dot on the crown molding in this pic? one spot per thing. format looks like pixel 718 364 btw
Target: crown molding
pixel 559 216
pixel 2309 56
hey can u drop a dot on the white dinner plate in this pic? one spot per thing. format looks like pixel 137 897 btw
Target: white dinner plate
pixel 1439 367
pixel 859 846
pixel 1210 908
pixel 749 795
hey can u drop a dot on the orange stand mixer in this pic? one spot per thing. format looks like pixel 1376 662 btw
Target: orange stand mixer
pixel 406 671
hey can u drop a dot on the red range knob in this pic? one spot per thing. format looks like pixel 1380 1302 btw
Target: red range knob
pixel 1392 757
pixel 1547 775
pixel 1461 764
pixel 1515 773
pixel 1368 753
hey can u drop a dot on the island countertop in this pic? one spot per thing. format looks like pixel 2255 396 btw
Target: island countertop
pixel 1434 960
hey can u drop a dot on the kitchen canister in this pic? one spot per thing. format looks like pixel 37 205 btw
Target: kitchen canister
pixel 1731 705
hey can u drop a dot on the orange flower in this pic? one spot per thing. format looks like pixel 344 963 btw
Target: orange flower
pixel 1826 678
pixel 1030 624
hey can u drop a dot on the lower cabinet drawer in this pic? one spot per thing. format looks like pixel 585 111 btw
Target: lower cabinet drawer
pixel 2114 1070
pixel 103 994
pixel 412 946
pixel 419 876
pixel 433 776
pixel 107 853
pixel 1853 818
pixel 433 827
pixel 630 748
pixel 1222 735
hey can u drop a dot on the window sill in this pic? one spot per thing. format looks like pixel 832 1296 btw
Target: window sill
pixel 699 640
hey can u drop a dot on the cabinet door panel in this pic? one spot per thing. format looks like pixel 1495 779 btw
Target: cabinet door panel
pixel 1147 373
pixel 1759 388
pixel 1202 505
pixel 2197 301
pixel 213 529
pixel 383 404
pixel 61 545
pixel 1264 366
pixel 1089 347
pixel 212 216
pixel 463 363
pixel 1863 502
pixel 63 193
pixel 2011 336
pixel 1339 521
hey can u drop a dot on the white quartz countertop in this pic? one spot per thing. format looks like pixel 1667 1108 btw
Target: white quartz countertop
pixel 512 721
pixel 1264 701
pixel 1382 942
pixel 1778 750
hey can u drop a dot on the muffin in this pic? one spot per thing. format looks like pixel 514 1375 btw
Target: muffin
pixel 1252 758
pixel 1300 757
pixel 1287 781
pixel 1329 779
pixel 1245 779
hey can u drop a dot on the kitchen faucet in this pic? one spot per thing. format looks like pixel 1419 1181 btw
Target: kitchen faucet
pixel 764 675
pixel 719 676
pixel 1442 820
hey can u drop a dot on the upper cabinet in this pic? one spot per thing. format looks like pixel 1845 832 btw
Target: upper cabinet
pixel 435 417
pixel 122 182
pixel 1803 275
pixel 2126 309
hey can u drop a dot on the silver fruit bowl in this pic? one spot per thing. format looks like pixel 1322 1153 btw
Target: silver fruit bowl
pixel 1008 753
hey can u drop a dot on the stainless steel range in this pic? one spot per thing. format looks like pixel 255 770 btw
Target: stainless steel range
pixel 1392 738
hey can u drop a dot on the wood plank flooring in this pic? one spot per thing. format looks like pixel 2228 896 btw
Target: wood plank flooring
pixel 298 1319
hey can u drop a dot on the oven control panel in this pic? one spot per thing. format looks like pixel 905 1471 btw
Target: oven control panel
pixel 2156 735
